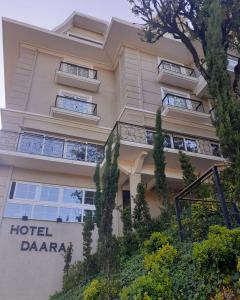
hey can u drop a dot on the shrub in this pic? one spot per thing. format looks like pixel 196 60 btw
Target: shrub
pixel 102 289
pixel 156 241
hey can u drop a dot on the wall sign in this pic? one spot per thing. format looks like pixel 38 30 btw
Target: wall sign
pixel 34 245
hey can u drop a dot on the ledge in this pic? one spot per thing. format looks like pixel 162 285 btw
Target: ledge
pixel 74 116
pixel 80 82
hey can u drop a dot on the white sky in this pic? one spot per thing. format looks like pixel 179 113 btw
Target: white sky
pixel 50 13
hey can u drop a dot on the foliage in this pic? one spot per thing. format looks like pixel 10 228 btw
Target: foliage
pixel 126 220
pixel 155 242
pixel 98 196
pixel 159 160
pixel 68 258
pixel 141 215
pixel 107 246
pixel 87 241
pixel 156 282
pixel 188 170
pixel 102 289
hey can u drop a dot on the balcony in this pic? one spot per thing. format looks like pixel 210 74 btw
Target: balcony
pixel 75 109
pixel 77 76
pixel 187 109
pixel 177 75
pixel 202 88
pixel 135 139
pixel 51 154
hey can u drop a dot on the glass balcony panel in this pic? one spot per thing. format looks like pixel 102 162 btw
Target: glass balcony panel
pixel 94 153
pixel 191 145
pixel 72 196
pixel 14 210
pixel 53 147
pixel 76 151
pixel 31 143
pixel 70 214
pixel 78 70
pixel 178 143
pixel 167 141
pixel 150 137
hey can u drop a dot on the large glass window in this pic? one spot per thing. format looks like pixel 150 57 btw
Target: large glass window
pixel 25 191
pixel 72 196
pixel 49 193
pixel 45 213
pixel 14 210
pixel 88 214
pixel 70 214
pixel 76 151
pixel 89 197
pixel 31 143
pixel 167 141
pixel 47 202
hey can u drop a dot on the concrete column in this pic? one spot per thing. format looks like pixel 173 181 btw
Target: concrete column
pixel 134 180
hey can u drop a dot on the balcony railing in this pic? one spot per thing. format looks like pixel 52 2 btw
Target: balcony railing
pixel 181 102
pixel 39 144
pixel 76 105
pixel 78 70
pixel 176 68
pixel 145 135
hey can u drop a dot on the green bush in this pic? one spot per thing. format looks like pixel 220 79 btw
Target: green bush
pixel 102 289
pixel 155 242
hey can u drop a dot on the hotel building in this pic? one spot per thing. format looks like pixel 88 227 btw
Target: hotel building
pixel 67 90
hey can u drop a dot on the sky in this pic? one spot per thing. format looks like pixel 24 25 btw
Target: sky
pixel 50 13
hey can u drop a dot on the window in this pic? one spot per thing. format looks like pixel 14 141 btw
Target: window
pixel 45 213
pixel 48 202
pixel 216 149
pixel 72 196
pixel 49 193
pixel 76 104
pixel 14 210
pixel 149 136
pixel 94 153
pixel 88 214
pixel 70 214
pixel 89 197
pixel 25 191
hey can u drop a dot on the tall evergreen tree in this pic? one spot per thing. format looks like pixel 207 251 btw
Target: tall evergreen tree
pixel 98 196
pixel 141 214
pixel 188 170
pixel 107 242
pixel 159 160
pixel 68 258
pixel 87 241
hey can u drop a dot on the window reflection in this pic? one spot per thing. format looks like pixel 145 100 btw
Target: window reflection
pixel 94 153
pixel 89 197
pixel 45 213
pixel 167 141
pixel 13 210
pixel 31 143
pixel 76 151
pixel 49 193
pixel 191 145
pixel 88 214
pixel 53 147
pixel 70 214
pixel 72 196
pixel 178 143
pixel 25 191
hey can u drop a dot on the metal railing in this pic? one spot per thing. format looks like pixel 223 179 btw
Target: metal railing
pixel 145 135
pixel 40 144
pixel 176 68
pixel 78 70
pixel 76 105
pixel 182 102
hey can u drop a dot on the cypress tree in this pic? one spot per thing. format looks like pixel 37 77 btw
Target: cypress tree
pixel 107 242
pixel 188 170
pixel 98 196
pixel 87 241
pixel 159 160
pixel 141 214
pixel 227 104
pixel 68 258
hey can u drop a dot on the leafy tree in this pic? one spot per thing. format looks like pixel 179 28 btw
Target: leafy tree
pixel 141 214
pixel 107 246
pixel 209 29
pixel 159 160
pixel 68 257
pixel 187 169
pixel 127 220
